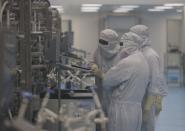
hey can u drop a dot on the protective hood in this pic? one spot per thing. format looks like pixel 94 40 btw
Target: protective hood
pixel 143 32
pixel 112 47
pixel 131 42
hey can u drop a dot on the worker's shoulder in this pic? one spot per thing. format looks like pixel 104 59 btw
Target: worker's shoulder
pixel 133 59
pixel 150 52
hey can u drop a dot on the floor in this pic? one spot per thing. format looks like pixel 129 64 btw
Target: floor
pixel 172 117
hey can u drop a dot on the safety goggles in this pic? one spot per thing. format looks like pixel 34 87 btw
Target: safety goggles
pixel 121 43
pixel 103 42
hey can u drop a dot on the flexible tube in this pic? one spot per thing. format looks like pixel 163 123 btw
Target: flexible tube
pixel 2 10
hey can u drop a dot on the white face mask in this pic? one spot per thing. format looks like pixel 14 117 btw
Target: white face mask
pixel 129 47
pixel 109 43
pixel 130 43
pixel 110 49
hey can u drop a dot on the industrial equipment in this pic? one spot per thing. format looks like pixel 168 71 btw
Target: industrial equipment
pixel 45 84
pixel 77 111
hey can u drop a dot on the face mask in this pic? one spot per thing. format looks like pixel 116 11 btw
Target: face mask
pixel 128 47
pixel 121 44
pixel 109 49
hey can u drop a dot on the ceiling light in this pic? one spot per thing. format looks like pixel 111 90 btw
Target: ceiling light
pixel 59 8
pixel 90 8
pixel 91 5
pixel 163 7
pixel 179 11
pixel 124 9
pixel 155 10
pixel 89 11
pixel 83 10
pixel 174 4
pixel 121 10
pixel 56 6
pixel 130 6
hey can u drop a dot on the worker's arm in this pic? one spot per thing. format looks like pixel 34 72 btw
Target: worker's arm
pixel 157 87
pixel 117 75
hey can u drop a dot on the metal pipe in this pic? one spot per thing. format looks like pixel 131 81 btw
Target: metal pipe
pixel 38 66
pixel 2 10
pixel 8 18
pixel 34 21
pixel 23 108
pixel 96 100
pixel 43 106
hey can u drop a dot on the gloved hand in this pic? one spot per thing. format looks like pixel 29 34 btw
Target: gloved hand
pixel 145 116
pixel 158 104
pixel 149 102
pixel 13 71
pixel 94 67
pixel 96 70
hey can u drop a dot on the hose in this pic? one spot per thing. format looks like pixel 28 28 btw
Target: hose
pixel 1 12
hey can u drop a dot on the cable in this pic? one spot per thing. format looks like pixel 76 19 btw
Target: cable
pixel 1 12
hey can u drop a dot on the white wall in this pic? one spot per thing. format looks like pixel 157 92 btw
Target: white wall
pixel 71 6
pixel 157 25
pixel 86 31
pixel 174 30
pixel 78 2
pixel 183 32
pixel 120 24
pixel 158 31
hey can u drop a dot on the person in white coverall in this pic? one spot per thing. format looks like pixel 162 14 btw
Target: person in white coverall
pixel 157 88
pixel 107 50
pixel 126 84
pixel 104 58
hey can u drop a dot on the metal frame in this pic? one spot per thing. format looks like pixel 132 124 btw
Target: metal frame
pixel 167 57
pixel 25 54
